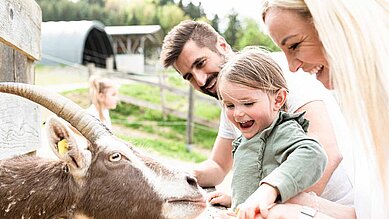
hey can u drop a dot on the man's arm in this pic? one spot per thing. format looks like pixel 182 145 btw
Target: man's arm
pixel 321 129
pixel 212 171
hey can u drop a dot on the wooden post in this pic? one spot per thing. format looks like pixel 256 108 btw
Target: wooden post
pixel 189 121
pixel 161 77
pixel 20 22
pixel 109 64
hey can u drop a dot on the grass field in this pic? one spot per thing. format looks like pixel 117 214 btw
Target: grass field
pixel 144 127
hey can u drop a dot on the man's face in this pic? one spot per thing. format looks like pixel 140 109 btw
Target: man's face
pixel 200 66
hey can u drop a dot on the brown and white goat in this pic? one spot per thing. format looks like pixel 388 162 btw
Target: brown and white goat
pixel 109 179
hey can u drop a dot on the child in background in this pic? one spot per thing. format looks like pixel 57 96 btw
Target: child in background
pixel 274 159
pixel 104 95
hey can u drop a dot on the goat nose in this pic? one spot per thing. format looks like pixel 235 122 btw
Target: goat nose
pixel 191 181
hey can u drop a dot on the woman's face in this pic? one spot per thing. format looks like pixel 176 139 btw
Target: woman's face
pixel 297 37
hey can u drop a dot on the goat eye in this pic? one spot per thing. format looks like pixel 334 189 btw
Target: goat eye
pixel 115 157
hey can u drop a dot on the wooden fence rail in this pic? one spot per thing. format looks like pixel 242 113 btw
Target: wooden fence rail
pixel 177 113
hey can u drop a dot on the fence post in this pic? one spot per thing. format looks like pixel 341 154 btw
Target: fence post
pixel 109 64
pixel 189 121
pixel 20 43
pixel 161 77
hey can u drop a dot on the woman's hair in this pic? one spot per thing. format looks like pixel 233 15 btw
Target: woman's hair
pixel 254 68
pixel 355 36
pixel 99 85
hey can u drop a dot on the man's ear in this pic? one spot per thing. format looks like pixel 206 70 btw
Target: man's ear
pixel 280 98
pixel 222 46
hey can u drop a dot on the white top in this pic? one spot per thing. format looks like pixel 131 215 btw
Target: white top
pixel 93 111
pixel 369 191
pixel 304 88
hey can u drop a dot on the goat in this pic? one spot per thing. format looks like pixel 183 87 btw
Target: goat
pixel 108 179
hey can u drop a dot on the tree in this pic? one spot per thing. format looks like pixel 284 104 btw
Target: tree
pixel 250 34
pixel 169 16
pixel 181 5
pixel 233 29
pixel 165 2
pixel 95 2
pixel 141 12
pixel 193 11
pixel 215 23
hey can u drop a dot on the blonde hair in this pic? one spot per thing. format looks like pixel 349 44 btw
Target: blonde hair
pixel 355 37
pixel 254 68
pixel 99 85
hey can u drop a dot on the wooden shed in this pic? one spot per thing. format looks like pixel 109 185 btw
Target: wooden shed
pixel 20 22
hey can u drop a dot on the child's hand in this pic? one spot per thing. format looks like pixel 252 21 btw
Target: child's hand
pixel 219 198
pixel 258 203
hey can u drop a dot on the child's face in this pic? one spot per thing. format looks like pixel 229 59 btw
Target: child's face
pixel 110 98
pixel 250 110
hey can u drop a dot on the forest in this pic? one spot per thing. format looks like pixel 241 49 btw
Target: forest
pixel 166 13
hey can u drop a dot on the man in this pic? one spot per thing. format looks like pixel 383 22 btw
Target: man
pixel 197 52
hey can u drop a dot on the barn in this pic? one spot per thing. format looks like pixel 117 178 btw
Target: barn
pixel 75 42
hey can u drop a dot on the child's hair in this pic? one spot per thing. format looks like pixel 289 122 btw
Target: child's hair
pixel 99 85
pixel 254 68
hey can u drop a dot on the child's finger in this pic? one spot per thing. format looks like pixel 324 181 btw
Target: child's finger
pixel 217 200
pixel 212 195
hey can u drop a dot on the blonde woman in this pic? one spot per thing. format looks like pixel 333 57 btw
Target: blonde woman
pixel 104 96
pixel 345 45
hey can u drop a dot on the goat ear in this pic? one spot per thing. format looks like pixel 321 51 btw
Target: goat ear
pixel 63 142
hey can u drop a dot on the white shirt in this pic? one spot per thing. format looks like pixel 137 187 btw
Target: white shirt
pixel 93 111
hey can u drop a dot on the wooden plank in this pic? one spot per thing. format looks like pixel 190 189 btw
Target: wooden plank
pixel 174 90
pixel 15 67
pixel 19 126
pixel 20 26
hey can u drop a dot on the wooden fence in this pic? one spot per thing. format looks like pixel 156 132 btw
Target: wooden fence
pixel 163 107
pixel 20 22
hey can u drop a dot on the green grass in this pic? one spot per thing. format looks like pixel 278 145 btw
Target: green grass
pixel 152 94
pixel 170 132
pixel 152 121
pixel 166 148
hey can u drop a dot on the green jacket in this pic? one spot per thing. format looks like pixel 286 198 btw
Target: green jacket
pixel 282 155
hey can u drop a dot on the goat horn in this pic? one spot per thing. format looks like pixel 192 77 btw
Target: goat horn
pixel 87 125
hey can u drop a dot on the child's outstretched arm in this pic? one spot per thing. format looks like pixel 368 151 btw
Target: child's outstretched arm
pixel 259 202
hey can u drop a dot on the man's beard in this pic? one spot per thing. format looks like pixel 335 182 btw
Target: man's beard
pixel 209 80
pixel 211 77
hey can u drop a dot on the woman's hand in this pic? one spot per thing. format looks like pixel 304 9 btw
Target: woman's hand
pixel 258 203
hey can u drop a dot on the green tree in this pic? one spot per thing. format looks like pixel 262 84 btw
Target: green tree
pixel 215 22
pixel 95 2
pixel 233 29
pixel 169 16
pixel 165 2
pixel 141 12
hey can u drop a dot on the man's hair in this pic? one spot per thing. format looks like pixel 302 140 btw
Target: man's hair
pixel 203 34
